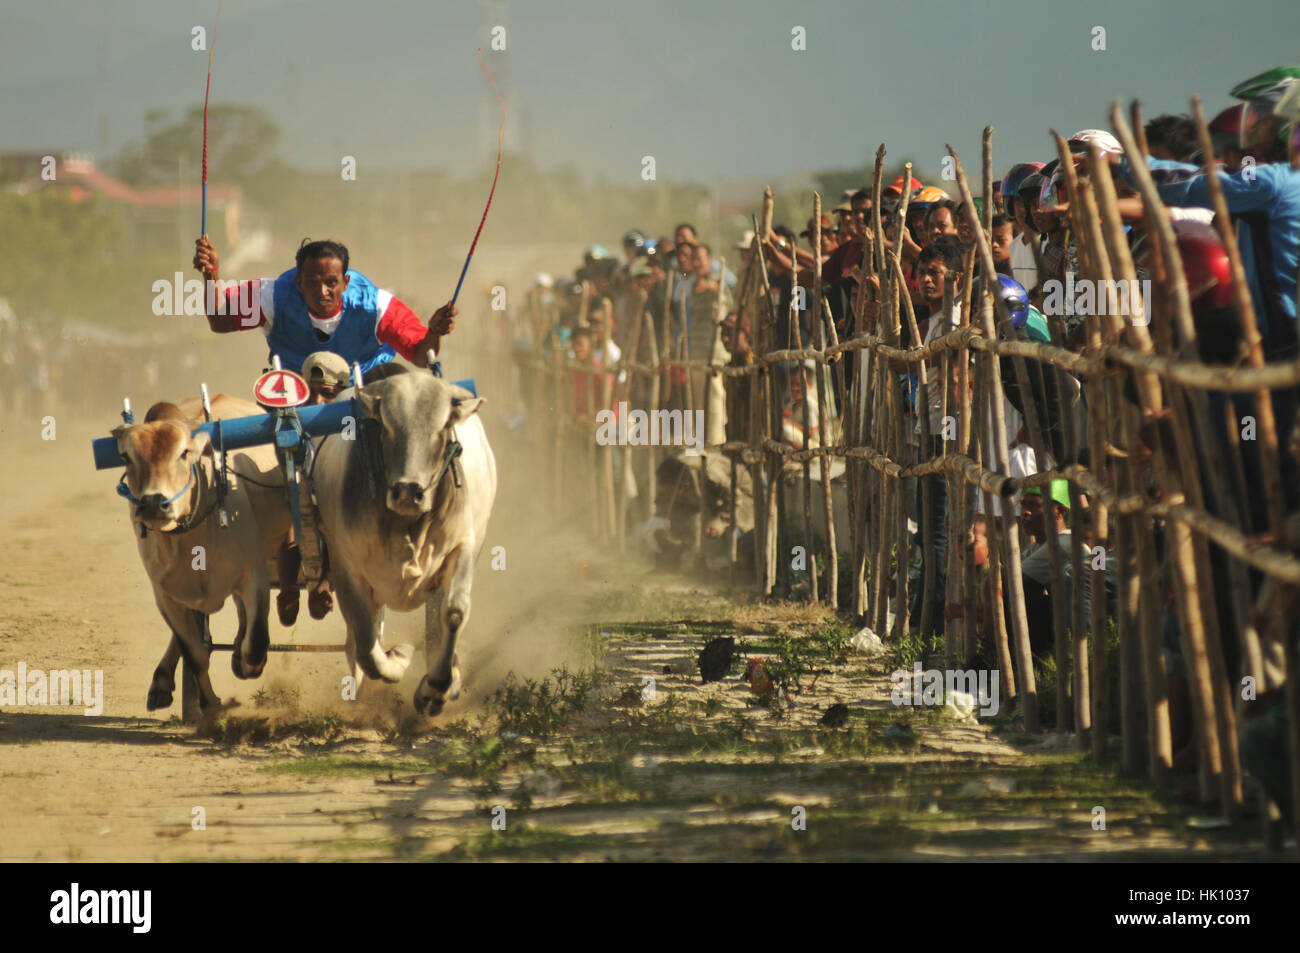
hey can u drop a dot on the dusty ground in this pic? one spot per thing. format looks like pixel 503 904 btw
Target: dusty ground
pixel 585 768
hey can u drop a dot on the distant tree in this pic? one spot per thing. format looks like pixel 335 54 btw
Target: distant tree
pixel 241 147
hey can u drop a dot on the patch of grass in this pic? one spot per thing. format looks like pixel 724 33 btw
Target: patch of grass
pixel 278 697
pixel 831 640
pixel 477 757
pixel 232 729
pixel 235 729
pixel 909 648
pixel 541 707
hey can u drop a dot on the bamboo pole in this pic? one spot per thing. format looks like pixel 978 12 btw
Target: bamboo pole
pixel 636 315
pixel 1028 688
pixel 824 466
pixel 923 413
pixel 1159 746
pixel 772 526
pixel 590 449
pixel 969 623
pixel 879 504
pixel 656 381
pixel 756 423
pixel 1189 464
pixel 1270 463
pixel 809 547
pixel 607 458
pixel 562 410
pixel 1087 231
pixel 900 297
pixel 666 347
pixel 996 528
pixel 1181 548
pixel 858 422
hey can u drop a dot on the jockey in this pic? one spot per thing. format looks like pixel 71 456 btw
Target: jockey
pixel 320 305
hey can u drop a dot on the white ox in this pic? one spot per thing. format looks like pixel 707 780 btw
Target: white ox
pixel 413 540
pixel 193 562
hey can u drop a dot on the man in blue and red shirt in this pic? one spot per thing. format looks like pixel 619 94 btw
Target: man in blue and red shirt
pixel 321 305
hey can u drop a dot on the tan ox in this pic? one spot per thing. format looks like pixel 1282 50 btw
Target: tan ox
pixel 193 562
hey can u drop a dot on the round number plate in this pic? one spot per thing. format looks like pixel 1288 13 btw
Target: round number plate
pixel 281 389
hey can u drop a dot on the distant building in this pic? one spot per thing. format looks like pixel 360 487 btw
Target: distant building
pixel 154 216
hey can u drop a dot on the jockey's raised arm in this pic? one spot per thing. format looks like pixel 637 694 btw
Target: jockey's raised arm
pixel 321 305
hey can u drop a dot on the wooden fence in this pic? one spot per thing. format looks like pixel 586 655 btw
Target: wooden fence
pixel 1148 418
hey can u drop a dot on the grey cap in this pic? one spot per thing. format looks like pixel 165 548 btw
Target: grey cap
pixel 326 366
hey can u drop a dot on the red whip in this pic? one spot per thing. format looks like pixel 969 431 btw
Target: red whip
pixel 500 131
pixel 206 93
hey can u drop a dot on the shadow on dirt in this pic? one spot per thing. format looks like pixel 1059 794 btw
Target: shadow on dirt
pixel 23 728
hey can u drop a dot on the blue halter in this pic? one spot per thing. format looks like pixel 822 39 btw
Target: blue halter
pixel 124 491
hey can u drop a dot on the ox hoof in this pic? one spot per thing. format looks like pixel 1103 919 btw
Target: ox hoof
pixel 429 699
pixel 158 698
pixel 244 669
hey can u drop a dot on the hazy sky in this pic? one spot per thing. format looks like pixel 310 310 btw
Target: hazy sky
pixel 708 88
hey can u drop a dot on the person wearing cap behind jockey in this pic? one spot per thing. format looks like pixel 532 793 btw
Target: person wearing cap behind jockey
pixel 320 304
pixel 326 374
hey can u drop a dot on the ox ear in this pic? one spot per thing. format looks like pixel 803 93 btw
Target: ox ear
pixel 464 408
pixel 370 397
pixel 201 441
pixel 118 433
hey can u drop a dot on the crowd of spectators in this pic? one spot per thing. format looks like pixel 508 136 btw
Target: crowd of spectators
pixel 690 301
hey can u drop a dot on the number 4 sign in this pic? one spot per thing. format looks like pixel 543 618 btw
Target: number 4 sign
pixel 281 389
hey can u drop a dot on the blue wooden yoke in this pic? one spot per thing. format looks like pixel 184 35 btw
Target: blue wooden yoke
pixel 238 432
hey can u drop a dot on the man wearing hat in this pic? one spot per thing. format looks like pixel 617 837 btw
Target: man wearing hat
pixel 830 234
pixel 326 374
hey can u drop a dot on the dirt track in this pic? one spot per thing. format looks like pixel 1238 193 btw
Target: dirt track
pixel 696 772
